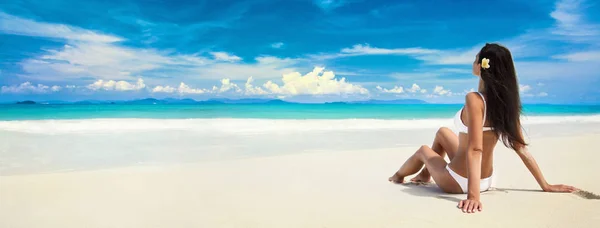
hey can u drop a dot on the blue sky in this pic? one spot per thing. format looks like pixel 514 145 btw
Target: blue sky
pixel 301 50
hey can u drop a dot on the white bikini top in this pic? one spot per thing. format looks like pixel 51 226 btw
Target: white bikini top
pixel 461 126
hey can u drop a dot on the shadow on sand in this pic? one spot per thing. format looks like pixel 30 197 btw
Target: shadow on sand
pixel 431 190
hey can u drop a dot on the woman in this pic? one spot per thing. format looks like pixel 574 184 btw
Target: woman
pixel 488 115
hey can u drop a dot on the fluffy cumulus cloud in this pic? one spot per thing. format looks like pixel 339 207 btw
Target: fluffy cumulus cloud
pixel 29 88
pixel 117 85
pixel 524 88
pixel 253 90
pixel 317 82
pixel 396 89
pixel 227 86
pixel 439 90
pixel 416 89
pixel 182 89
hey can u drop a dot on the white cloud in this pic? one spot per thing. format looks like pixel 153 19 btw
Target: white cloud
pixel 524 88
pixel 439 90
pixel 277 45
pixel 227 85
pixel 104 61
pixel 571 22
pixel 253 90
pixel 527 91
pixel 429 56
pixel 317 82
pixel 185 89
pixel 163 89
pixel 224 56
pixel 182 89
pixel 415 89
pixel 27 88
pixel 112 62
pixel 366 49
pixel 396 89
pixel 89 54
pixel 583 56
pixel 10 24
pixel 451 57
pixel 117 85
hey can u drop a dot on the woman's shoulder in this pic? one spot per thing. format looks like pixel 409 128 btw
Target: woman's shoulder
pixel 473 98
pixel 474 101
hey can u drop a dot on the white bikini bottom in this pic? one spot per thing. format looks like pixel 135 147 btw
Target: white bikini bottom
pixel 484 184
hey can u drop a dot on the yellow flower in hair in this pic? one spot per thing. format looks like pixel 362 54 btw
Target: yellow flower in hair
pixel 485 63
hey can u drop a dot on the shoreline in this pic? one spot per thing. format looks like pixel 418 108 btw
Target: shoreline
pixel 70 145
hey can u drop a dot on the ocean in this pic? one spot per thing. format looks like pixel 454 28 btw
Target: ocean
pixel 265 111
pixel 70 137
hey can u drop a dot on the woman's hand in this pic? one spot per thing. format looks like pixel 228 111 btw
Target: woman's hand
pixel 559 188
pixel 470 205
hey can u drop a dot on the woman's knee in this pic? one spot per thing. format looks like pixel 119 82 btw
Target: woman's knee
pixel 423 149
pixel 442 131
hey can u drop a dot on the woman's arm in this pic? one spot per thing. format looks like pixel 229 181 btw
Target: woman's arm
pixel 533 167
pixel 474 107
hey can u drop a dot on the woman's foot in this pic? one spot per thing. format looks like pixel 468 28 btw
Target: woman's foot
pixel 396 179
pixel 422 177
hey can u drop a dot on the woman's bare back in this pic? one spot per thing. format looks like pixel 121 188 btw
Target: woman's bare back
pixel 459 161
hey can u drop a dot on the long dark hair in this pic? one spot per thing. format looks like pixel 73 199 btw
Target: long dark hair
pixel 501 89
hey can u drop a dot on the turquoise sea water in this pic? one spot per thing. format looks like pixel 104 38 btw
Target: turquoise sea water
pixel 266 111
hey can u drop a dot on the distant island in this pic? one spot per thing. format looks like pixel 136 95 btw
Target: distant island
pixel 26 102
pixel 167 101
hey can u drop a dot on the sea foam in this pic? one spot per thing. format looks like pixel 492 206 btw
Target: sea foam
pixel 241 126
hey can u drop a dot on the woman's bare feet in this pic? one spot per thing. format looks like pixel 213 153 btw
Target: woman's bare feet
pixel 396 179
pixel 422 177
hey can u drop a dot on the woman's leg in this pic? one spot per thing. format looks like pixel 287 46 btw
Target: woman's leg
pixel 436 166
pixel 445 142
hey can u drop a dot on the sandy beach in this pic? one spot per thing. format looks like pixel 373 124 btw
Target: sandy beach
pixel 317 188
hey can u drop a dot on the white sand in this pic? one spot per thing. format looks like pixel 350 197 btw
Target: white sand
pixel 318 189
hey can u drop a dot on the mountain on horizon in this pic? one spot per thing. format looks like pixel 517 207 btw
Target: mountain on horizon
pixel 151 101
